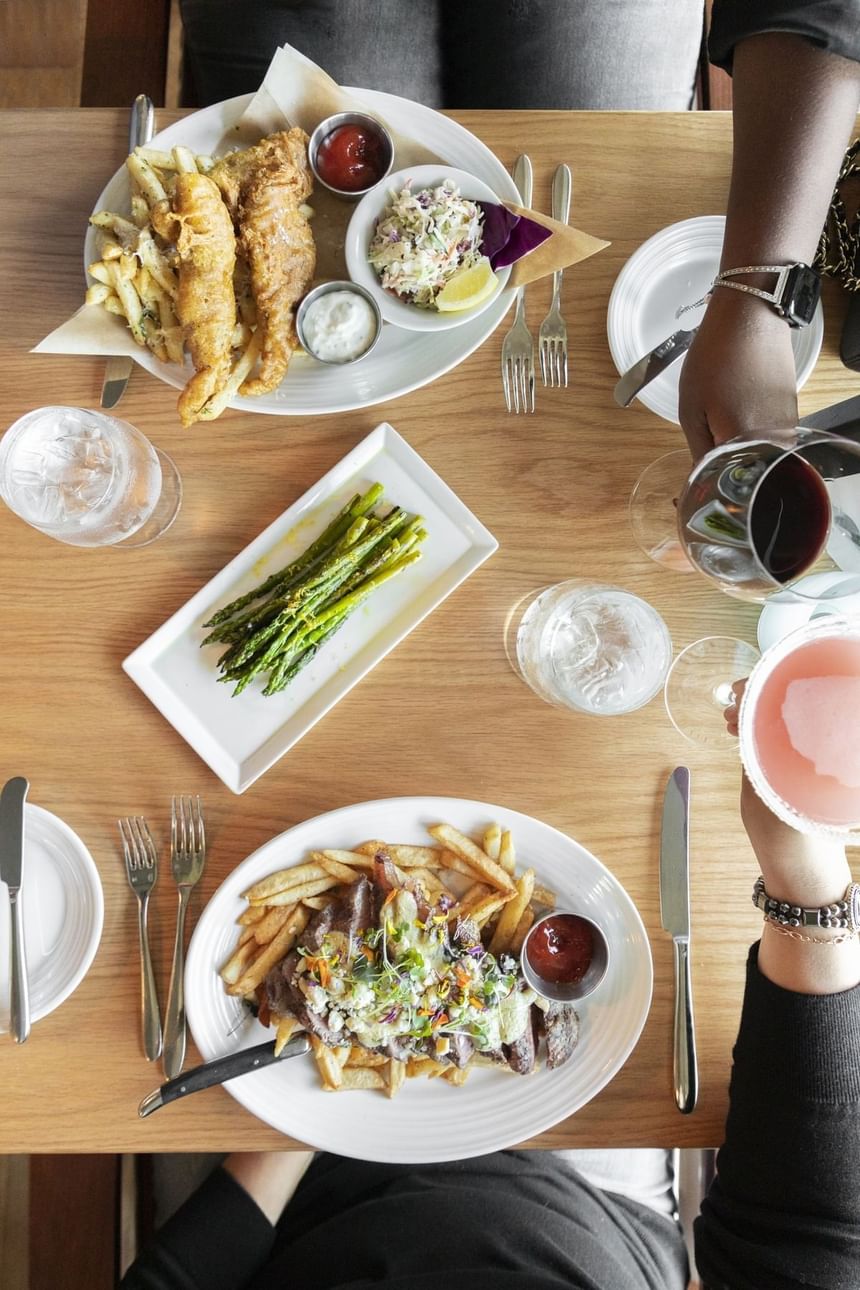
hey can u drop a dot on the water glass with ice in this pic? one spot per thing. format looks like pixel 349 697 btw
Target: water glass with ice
pixel 87 478
pixel 589 646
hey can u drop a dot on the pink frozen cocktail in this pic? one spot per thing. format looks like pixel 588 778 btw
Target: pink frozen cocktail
pixel 800 728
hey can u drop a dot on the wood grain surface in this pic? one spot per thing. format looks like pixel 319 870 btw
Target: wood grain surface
pixel 444 714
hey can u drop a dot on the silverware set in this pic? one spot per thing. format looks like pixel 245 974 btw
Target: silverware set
pixel 518 360
pixel 188 857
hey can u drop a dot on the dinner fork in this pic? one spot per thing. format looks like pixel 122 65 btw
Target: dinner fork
pixel 553 333
pixel 141 867
pixel 187 857
pixel 518 357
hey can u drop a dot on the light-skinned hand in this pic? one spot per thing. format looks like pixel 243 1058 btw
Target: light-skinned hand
pixel 803 868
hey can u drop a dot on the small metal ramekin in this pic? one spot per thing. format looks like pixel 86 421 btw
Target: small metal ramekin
pixel 568 991
pixel 322 290
pixel 350 118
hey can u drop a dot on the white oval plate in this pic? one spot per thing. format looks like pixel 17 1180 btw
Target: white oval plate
pixel 429 1120
pixel 676 267
pixel 63 908
pixel 403 360
pixel 362 227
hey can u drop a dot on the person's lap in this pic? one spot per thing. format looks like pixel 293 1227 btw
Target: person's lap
pixel 619 54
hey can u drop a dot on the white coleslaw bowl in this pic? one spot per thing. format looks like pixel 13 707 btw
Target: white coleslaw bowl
pixel 362 227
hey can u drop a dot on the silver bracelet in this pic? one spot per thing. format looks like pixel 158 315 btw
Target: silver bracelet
pixel 794 297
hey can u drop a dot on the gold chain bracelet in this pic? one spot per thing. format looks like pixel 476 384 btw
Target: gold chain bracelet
pixel 841 939
pixel 840 239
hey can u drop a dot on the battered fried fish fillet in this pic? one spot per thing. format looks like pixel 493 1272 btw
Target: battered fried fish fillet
pixel 198 223
pixel 264 187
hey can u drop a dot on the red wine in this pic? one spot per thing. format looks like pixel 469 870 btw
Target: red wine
pixel 789 518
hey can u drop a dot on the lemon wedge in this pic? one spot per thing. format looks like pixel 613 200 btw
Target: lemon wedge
pixel 467 288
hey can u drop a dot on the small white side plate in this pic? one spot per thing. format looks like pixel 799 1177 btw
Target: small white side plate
pixel 63 907
pixel 240 738
pixel 676 267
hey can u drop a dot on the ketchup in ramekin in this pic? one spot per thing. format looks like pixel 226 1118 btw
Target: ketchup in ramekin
pixel 352 158
pixel 350 153
pixel 565 956
pixel 562 948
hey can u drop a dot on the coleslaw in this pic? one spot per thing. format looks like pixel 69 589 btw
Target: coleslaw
pixel 422 239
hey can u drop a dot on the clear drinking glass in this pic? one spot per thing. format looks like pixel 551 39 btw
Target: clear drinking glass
pixel 589 646
pixel 799 724
pixel 87 478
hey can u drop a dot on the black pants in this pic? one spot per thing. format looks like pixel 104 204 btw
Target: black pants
pixel 459 53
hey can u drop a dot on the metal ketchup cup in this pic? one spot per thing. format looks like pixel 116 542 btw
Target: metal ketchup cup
pixel 369 123
pixel 568 991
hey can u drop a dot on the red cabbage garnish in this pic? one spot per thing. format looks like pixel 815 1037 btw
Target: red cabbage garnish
pixel 506 237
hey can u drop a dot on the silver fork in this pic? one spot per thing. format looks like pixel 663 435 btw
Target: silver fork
pixel 187 857
pixel 141 866
pixel 518 355
pixel 553 333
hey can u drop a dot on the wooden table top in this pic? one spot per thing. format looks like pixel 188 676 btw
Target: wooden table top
pixel 553 488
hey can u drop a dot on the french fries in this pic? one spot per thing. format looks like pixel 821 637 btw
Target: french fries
pixel 487 890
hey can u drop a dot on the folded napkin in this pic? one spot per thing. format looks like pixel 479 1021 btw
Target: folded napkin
pixel 295 91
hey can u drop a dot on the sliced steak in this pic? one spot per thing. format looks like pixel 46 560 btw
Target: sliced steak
pixel 461 1049
pixel 353 914
pixel 561 1027
pixel 521 1054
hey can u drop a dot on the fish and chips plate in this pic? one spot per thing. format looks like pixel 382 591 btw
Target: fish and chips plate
pixel 171 184
pixel 391 931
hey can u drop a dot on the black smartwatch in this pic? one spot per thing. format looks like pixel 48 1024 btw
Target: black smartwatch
pixel 794 297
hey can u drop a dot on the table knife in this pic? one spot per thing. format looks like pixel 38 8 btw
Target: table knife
pixel 12 801
pixel 118 367
pixel 675 916
pixel 651 365
pixel 220 1070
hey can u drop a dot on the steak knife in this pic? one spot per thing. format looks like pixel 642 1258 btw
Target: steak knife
pixel 118 367
pixel 675 916
pixel 651 365
pixel 220 1070
pixel 12 801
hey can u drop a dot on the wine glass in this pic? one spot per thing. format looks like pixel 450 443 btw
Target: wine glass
pixel 798 722
pixel 698 688
pixel 756 516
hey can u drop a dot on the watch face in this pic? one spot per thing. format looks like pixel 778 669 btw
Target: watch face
pixel 801 295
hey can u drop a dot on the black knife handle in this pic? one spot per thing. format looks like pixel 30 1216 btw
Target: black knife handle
pixel 849 346
pixel 220 1070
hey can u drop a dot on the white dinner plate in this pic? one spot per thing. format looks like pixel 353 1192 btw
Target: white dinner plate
pixel 676 267
pixel 429 1120
pixel 63 908
pixel 402 360
pixel 242 737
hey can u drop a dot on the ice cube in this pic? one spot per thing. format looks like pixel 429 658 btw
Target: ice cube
pixel 822 717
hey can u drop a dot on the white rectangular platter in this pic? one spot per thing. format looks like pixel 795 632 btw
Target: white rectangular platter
pixel 240 738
